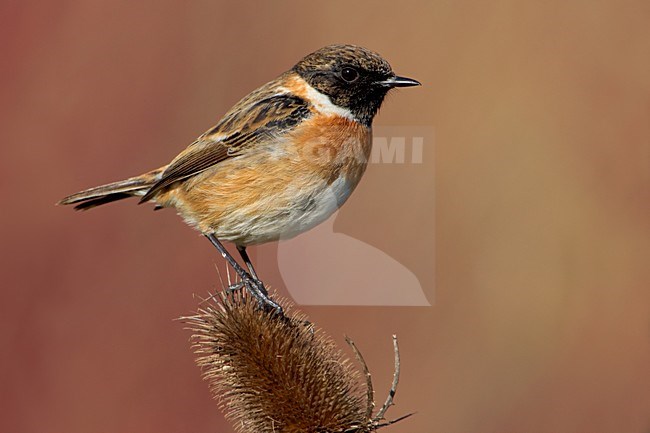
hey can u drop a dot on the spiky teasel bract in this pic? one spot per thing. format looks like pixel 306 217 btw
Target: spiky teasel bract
pixel 278 374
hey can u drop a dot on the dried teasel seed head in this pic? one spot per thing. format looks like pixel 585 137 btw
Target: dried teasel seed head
pixel 274 373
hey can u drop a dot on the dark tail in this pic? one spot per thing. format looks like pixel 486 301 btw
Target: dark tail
pixel 135 186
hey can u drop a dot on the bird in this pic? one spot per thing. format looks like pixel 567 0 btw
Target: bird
pixel 280 161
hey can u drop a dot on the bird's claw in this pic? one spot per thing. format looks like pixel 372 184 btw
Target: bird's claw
pixel 235 287
pixel 256 288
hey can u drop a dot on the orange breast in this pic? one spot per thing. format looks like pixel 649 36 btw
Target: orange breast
pixel 333 146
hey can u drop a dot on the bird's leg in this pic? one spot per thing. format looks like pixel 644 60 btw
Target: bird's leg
pixel 231 261
pixel 247 260
pixel 254 286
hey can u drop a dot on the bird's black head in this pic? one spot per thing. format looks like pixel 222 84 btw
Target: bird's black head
pixel 352 77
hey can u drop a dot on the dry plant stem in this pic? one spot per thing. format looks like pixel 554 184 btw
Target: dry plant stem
pixel 370 393
pixel 389 400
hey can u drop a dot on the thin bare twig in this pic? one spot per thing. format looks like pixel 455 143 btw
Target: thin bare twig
pixel 370 393
pixel 387 423
pixel 389 400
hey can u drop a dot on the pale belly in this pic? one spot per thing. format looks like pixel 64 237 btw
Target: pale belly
pixel 270 222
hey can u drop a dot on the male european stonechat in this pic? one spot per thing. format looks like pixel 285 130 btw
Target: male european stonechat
pixel 281 161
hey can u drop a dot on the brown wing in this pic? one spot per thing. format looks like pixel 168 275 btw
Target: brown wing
pixel 245 125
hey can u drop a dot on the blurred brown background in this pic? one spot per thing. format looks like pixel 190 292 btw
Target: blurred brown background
pixel 541 236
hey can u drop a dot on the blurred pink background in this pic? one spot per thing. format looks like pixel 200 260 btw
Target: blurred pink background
pixel 538 219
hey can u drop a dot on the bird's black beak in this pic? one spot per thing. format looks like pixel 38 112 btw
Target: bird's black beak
pixel 400 82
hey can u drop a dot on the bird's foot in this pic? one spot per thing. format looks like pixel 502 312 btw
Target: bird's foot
pixel 235 287
pixel 259 292
pixel 256 288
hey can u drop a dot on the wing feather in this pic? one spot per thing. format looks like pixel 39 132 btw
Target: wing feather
pixel 244 126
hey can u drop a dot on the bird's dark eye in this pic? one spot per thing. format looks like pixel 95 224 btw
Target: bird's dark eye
pixel 349 74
